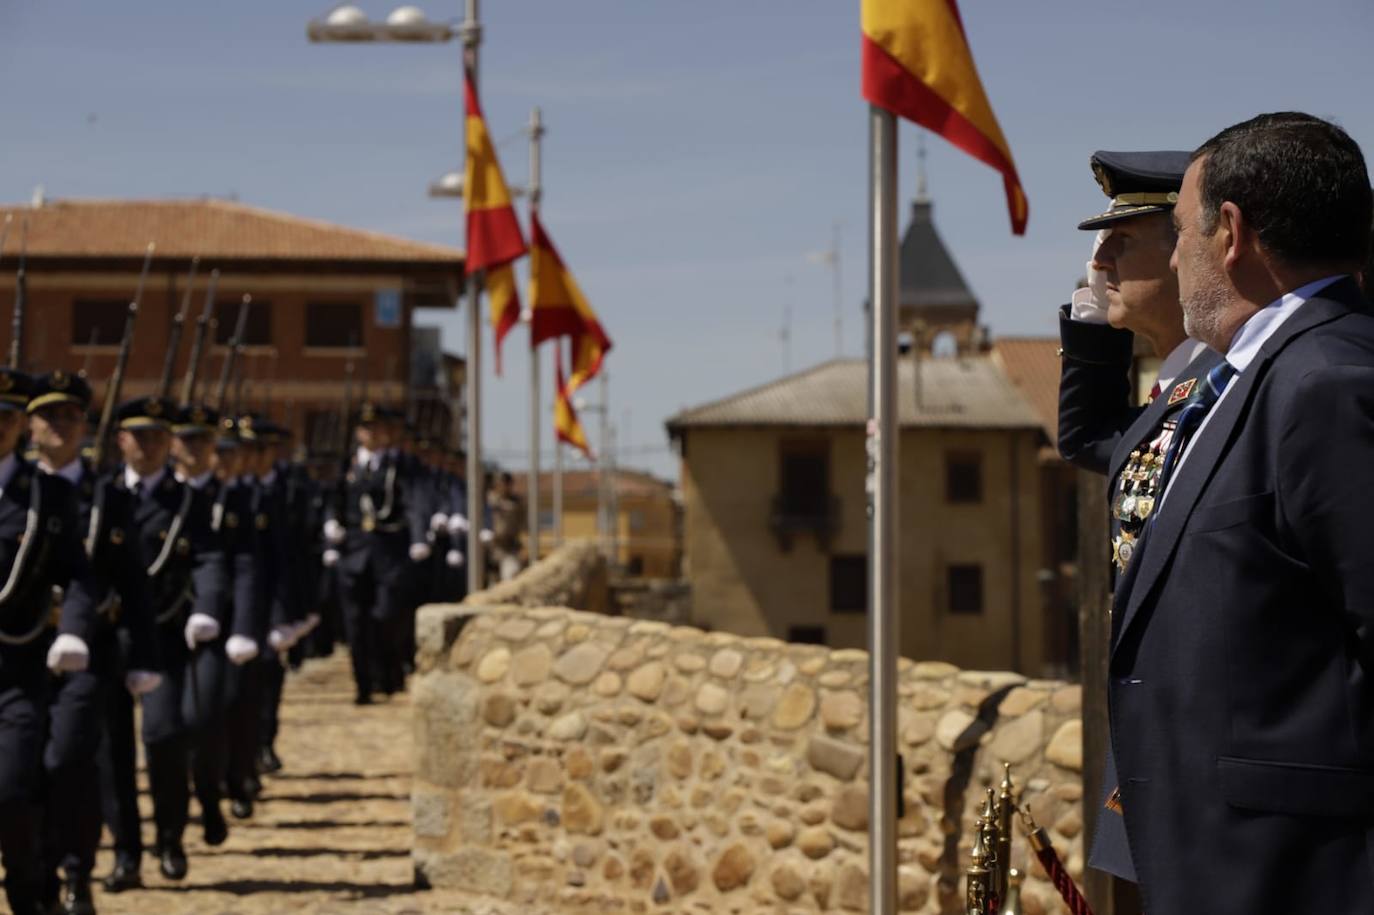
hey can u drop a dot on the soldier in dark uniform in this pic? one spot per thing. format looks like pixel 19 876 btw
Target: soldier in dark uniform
pixel 376 531
pixel 1100 427
pixel 40 549
pixel 188 583
pixel 195 449
pixel 123 659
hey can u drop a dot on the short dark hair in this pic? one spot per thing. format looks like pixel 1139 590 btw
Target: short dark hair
pixel 1299 180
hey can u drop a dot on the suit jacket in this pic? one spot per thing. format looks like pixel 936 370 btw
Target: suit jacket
pixel 1240 689
pixel 1095 405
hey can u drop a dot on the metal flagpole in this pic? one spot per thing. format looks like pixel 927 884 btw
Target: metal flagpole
pixel 472 41
pixel 557 482
pixel 535 190
pixel 882 513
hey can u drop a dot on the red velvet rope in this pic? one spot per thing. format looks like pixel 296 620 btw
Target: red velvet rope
pixel 1049 860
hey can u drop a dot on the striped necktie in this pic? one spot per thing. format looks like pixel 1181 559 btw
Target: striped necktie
pixel 1191 418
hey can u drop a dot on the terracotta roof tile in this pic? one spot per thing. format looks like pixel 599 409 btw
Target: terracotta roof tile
pixel 214 229
pixel 1032 363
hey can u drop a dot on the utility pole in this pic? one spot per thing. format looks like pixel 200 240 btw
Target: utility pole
pixel 532 500
pixel 477 495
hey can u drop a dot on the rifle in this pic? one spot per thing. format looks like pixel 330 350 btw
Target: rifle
pixel 90 347
pixel 164 385
pixel 112 389
pixel 235 345
pixel 346 418
pixel 188 384
pixel 21 296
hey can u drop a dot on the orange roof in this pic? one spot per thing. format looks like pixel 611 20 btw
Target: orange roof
pixel 217 230
pixel 1032 363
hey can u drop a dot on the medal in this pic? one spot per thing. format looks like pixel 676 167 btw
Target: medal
pixel 369 524
pixel 1143 506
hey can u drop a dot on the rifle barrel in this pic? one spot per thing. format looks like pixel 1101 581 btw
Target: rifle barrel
pixel 164 384
pixel 231 355
pixel 188 385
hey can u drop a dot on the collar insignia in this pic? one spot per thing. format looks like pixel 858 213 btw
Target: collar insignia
pixel 1181 391
pixel 60 381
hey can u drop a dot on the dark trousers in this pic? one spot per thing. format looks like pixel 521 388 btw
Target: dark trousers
pixel 374 599
pixel 73 800
pixel 274 682
pixel 242 723
pixel 116 760
pixel 23 726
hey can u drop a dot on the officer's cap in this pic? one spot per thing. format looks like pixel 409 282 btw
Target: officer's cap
pixel 228 434
pixel 146 413
pixel 195 419
pixel 59 387
pixel 1137 182
pixel 371 412
pixel 15 389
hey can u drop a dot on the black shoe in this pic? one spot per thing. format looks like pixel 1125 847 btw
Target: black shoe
pixel 172 861
pixel 268 761
pixel 216 830
pixel 75 898
pixel 253 786
pixel 125 876
pixel 241 809
pixel 362 699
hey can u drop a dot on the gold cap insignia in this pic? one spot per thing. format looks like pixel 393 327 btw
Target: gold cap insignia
pixel 60 381
pixel 154 408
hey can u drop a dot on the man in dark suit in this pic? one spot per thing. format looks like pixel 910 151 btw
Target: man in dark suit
pixel 1240 690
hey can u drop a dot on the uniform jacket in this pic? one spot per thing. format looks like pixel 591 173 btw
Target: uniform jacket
pixel 383 511
pixel 232 523
pixel 1240 691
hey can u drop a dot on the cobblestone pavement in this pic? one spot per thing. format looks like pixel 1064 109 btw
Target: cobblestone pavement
pixel 331 833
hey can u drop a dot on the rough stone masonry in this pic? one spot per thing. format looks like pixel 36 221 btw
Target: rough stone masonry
pixel 574 762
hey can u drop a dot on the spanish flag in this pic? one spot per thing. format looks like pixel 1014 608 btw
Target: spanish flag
pixel 493 231
pixel 565 422
pixel 505 304
pixel 917 64
pixel 559 309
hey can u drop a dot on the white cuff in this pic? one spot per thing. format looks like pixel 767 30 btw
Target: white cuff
pixel 334 531
pixel 68 654
pixel 1083 307
pixel 419 552
pixel 240 649
pixel 454 558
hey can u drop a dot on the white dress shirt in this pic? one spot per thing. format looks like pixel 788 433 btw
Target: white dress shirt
pixel 71 471
pixel 1178 360
pixel 195 482
pixel 1245 346
pixel 132 480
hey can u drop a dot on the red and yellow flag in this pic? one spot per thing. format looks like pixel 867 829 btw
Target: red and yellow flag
pixel 559 309
pixel 493 231
pixel 917 64
pixel 565 422
pixel 505 304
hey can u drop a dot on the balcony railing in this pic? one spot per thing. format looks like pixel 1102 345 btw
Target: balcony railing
pixel 786 520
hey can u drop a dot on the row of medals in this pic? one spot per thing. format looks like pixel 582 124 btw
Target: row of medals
pixel 1138 494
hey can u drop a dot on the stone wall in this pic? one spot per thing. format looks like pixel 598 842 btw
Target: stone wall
pixel 572 762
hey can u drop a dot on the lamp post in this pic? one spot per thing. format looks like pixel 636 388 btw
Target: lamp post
pixel 409 24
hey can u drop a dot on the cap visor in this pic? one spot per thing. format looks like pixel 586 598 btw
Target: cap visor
pixel 1118 214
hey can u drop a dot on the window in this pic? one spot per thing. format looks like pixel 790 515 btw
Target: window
pixel 98 322
pixel 546 519
pixel 324 432
pixel 966 589
pixel 334 324
pixel 849 584
pixel 806 635
pixel 963 477
pixel 257 326
pixel 635 517
pixel 805 479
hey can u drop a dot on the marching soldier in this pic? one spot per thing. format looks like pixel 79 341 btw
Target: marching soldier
pixel 123 660
pixel 1133 291
pixel 40 549
pixel 375 532
pixel 188 583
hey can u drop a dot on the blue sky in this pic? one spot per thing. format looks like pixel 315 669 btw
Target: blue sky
pixel 696 152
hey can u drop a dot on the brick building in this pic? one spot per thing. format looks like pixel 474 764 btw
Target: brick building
pixel 324 297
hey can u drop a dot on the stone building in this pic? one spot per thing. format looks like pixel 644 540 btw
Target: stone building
pixel 775 507
pixel 324 296
pixel 648 517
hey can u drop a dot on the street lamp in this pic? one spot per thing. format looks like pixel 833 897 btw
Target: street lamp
pixel 348 23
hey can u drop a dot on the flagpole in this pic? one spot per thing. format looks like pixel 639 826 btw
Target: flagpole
pixel 883 532
pixel 472 41
pixel 535 190
pixel 557 481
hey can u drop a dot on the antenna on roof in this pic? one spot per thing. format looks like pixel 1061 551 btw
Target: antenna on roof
pixel 922 188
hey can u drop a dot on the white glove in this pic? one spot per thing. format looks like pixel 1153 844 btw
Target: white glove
pixel 454 558
pixel 419 552
pixel 139 682
pixel 281 638
pixel 486 536
pixel 457 524
pixel 334 531
pixel 68 654
pixel 1089 304
pixel 240 649
pixel 330 558
pixel 201 628
pixel 438 521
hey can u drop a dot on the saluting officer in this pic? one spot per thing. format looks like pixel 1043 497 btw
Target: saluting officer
pixel 188 583
pixel 40 550
pixel 376 532
pixel 123 655
pixel 1131 291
